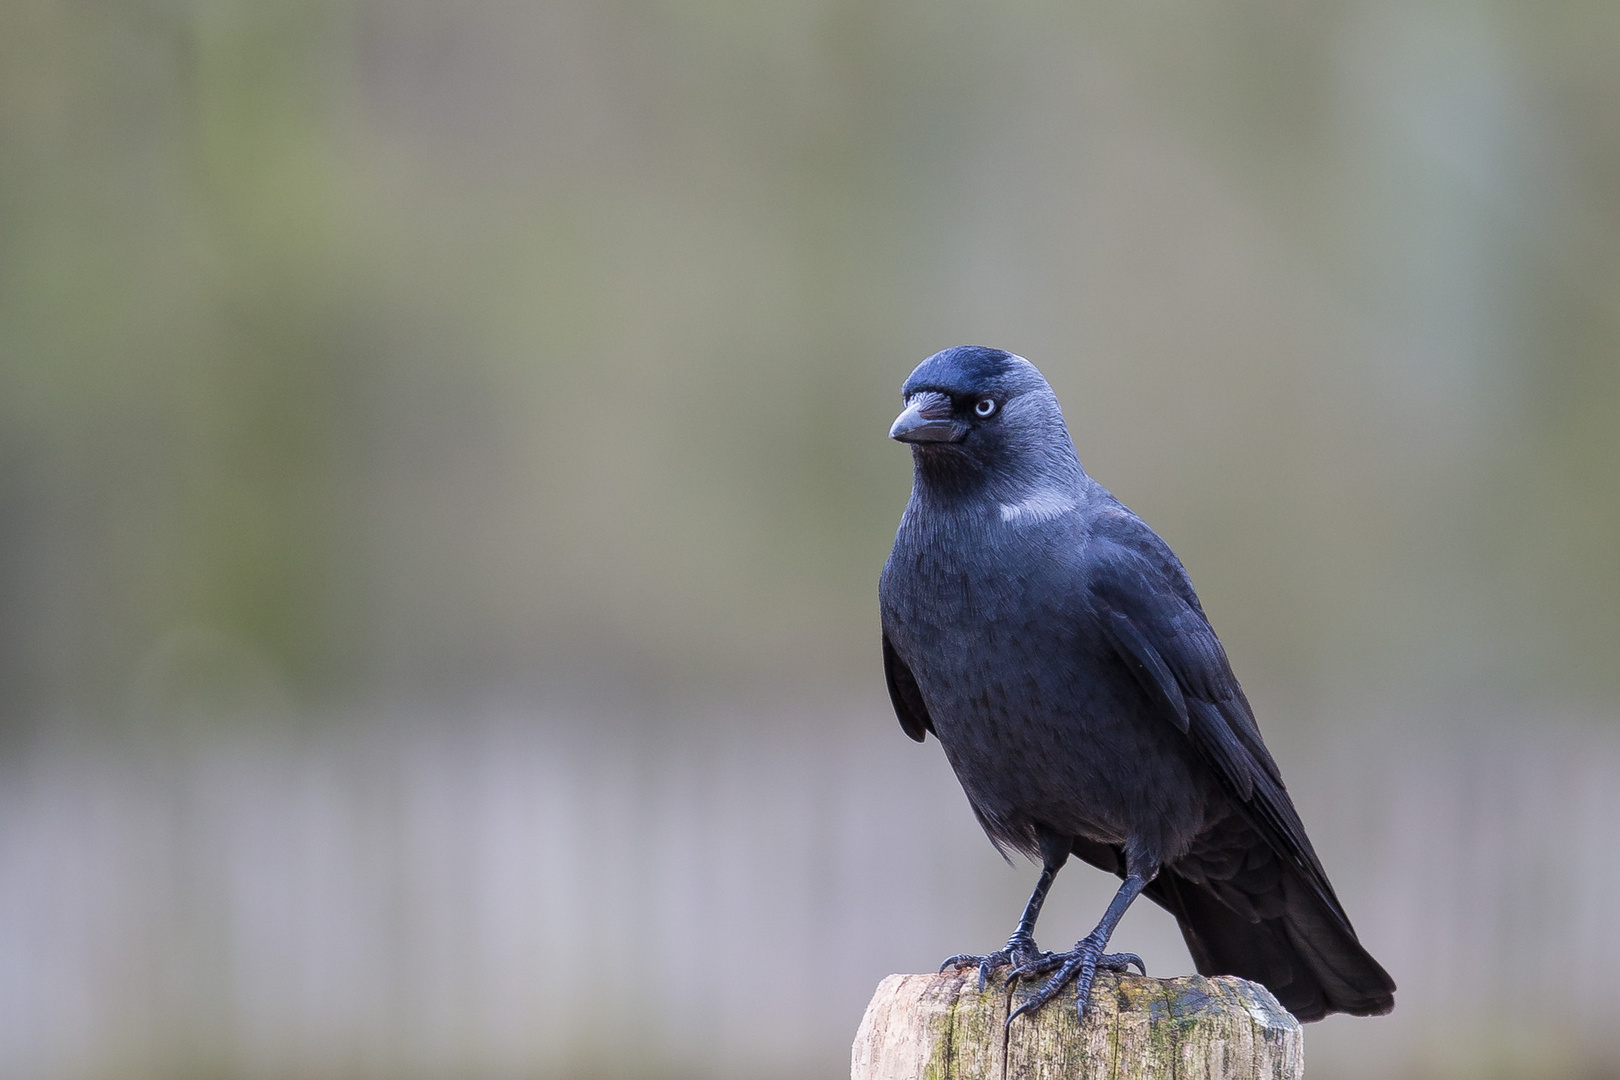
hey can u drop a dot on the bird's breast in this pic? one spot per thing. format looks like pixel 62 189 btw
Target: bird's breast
pixel 1036 714
pixel 995 632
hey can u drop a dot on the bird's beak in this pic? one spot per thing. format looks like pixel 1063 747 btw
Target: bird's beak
pixel 927 419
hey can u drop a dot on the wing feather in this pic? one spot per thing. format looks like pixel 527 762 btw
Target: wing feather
pixel 905 695
pixel 1140 595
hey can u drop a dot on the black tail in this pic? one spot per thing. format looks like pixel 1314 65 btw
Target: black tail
pixel 1306 954
pixel 1291 940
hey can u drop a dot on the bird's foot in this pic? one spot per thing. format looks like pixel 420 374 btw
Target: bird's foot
pixel 1079 966
pixel 1020 951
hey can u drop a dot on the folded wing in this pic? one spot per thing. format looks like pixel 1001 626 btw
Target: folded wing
pixel 1255 901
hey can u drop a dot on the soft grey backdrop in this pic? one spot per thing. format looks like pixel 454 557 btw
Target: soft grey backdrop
pixel 443 484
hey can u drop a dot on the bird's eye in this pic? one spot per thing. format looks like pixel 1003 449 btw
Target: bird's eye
pixel 985 407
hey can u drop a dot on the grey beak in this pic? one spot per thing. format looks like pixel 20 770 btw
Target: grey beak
pixel 927 419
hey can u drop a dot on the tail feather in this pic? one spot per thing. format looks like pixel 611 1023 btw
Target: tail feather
pixel 1297 944
pixel 1307 955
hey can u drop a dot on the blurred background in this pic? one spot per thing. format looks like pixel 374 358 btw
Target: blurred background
pixel 443 485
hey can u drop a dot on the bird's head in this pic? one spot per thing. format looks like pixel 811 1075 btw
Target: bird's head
pixel 977 415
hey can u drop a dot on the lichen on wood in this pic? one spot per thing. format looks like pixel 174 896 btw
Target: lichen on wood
pixel 940 1027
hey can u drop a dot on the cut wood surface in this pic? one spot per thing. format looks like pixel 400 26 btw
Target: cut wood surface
pixel 939 1027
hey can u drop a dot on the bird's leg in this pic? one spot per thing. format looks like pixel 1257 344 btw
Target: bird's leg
pixel 1080 964
pixel 1020 949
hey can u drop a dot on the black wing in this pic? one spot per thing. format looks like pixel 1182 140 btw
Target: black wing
pixel 904 694
pixel 1296 939
pixel 1140 595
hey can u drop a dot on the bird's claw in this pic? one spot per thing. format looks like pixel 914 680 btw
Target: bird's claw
pixel 1121 962
pixel 1080 966
pixel 1018 953
pixel 1052 961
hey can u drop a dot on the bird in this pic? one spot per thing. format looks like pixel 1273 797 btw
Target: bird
pixel 1053 644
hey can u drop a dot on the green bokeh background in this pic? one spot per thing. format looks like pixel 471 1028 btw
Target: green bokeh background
pixel 360 353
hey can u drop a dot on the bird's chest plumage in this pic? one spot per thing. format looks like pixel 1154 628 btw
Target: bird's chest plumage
pixel 985 621
pixel 994 624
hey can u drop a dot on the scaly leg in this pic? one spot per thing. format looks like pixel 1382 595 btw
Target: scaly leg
pixel 1081 963
pixel 1020 949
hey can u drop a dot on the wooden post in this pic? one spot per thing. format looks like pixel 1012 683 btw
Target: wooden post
pixel 939 1027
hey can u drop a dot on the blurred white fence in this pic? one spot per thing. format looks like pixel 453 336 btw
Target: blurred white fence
pixel 523 896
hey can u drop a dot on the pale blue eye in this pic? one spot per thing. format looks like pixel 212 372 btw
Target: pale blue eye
pixel 985 407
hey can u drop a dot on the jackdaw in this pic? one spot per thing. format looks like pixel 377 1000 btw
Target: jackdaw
pixel 1053 644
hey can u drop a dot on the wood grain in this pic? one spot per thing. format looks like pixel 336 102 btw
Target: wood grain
pixel 939 1027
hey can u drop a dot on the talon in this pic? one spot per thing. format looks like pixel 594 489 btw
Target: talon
pixel 1073 968
pixel 1038 965
pixel 1018 951
pixel 1080 966
pixel 1028 1006
pixel 1121 962
pixel 986 964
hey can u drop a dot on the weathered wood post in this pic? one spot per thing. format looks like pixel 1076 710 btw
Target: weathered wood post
pixel 939 1027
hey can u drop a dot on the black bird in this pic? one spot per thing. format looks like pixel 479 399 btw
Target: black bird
pixel 1053 644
